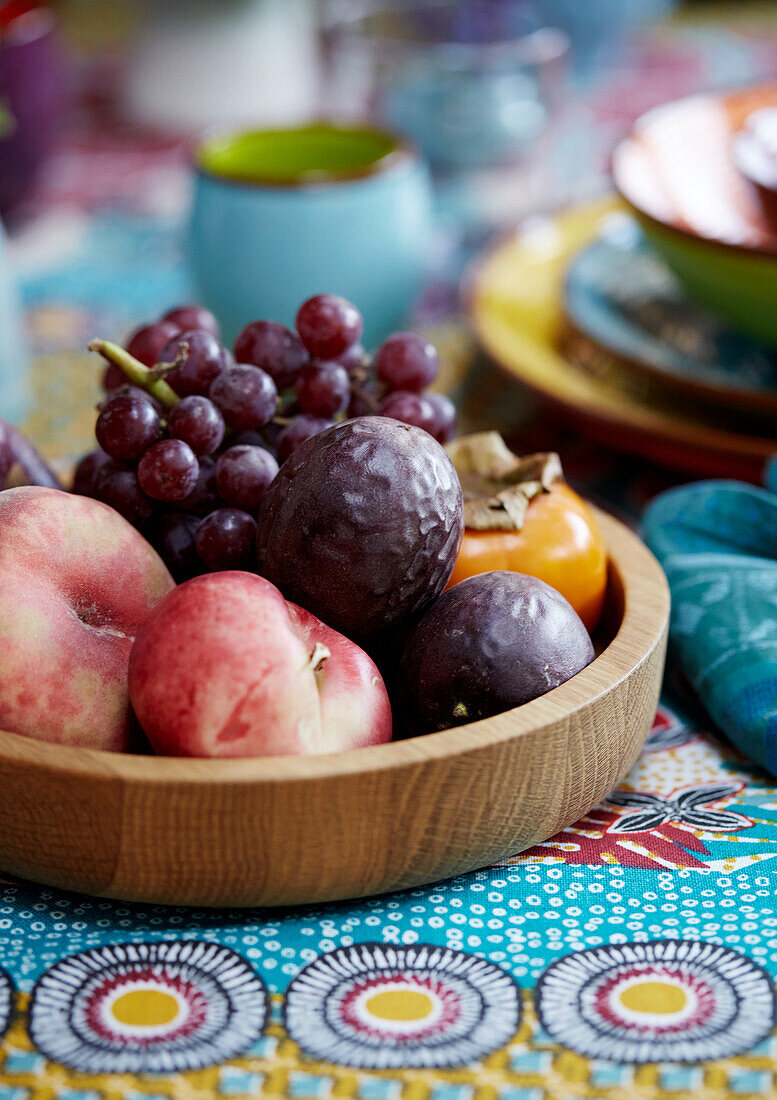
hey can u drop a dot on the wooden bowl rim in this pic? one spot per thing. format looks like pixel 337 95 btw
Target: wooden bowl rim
pixel 645 614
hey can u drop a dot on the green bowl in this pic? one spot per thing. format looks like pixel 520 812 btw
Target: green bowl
pixel 737 283
pixel 676 172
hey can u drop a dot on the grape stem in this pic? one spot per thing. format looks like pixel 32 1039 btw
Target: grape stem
pixel 146 377
pixel 358 391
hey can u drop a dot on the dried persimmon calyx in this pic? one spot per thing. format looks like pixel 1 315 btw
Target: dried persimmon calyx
pixel 497 484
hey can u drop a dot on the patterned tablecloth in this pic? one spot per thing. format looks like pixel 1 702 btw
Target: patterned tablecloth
pixel 632 955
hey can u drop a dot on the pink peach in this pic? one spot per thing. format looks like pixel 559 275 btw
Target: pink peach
pixel 225 667
pixel 76 582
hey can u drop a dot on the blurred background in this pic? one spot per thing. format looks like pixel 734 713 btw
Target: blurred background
pixel 514 106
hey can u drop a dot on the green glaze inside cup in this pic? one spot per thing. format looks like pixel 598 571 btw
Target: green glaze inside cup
pixel 314 153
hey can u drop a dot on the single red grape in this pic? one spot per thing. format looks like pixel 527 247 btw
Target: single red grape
pixel 226 539
pixel 189 317
pixel 148 342
pixel 175 542
pixel 112 378
pixel 168 470
pixel 323 388
pixel 204 361
pixel 86 471
pixel 271 433
pixel 274 348
pixel 406 361
pixel 204 497
pixel 301 428
pixel 246 396
pixel 117 484
pixel 198 422
pixel 127 426
pixel 410 408
pixel 328 325
pixel 353 358
pixel 243 475
pixel 251 438
pixel 130 390
pixel 443 426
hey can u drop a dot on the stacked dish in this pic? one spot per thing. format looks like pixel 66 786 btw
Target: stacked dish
pixel 651 320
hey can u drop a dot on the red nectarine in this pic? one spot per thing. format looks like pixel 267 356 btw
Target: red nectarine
pixel 226 667
pixel 76 582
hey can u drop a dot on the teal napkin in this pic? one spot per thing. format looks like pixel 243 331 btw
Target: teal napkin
pixel 717 542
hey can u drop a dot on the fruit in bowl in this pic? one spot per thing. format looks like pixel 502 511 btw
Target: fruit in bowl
pixel 362 525
pixel 491 643
pixel 76 583
pixel 324 471
pixel 189 428
pixel 520 515
pixel 225 666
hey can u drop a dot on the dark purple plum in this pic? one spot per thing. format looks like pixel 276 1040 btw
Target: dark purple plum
pixel 362 525
pixel 490 643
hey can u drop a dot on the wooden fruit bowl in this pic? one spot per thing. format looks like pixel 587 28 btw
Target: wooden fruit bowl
pixel 288 830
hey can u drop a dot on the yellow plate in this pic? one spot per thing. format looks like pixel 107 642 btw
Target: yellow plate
pixel 514 296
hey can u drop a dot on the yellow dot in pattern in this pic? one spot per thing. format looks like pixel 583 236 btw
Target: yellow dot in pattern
pixel 399 1004
pixel 145 1008
pixel 658 998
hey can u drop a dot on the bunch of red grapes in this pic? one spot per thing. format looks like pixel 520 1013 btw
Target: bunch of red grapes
pixel 191 471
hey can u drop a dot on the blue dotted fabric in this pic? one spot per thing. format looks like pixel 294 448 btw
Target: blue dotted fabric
pixel 710 878
pixel 668 888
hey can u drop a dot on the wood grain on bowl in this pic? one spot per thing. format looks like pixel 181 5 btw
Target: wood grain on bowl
pixel 289 830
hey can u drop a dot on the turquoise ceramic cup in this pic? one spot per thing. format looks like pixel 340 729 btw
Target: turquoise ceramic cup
pixel 280 215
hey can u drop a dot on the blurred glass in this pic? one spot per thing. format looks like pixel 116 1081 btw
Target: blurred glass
pixel 473 84
pixel 31 97
pixel 196 63
pixel 598 29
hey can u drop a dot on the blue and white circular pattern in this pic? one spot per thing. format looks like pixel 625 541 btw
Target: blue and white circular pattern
pixel 6 1002
pixel 374 1006
pixel 669 1000
pixel 147 1008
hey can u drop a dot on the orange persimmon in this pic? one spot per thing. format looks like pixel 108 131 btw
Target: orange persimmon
pixel 559 542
